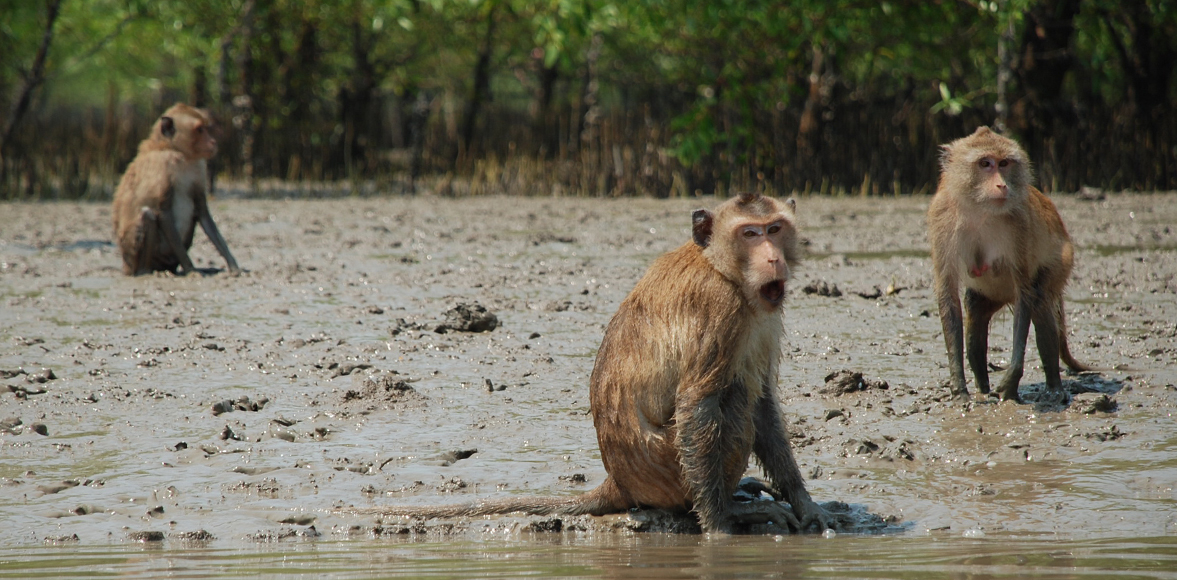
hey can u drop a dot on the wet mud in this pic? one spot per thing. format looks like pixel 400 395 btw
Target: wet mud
pixel 429 350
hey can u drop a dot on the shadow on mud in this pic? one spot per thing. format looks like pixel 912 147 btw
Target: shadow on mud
pixel 1090 392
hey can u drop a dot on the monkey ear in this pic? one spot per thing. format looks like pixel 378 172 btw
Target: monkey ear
pixel 945 156
pixel 167 127
pixel 701 227
pixel 792 203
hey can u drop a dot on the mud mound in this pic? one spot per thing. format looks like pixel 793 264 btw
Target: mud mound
pixel 472 317
pixel 381 392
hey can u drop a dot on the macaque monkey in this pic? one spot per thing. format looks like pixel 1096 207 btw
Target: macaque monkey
pixel 1003 241
pixel 163 194
pixel 684 388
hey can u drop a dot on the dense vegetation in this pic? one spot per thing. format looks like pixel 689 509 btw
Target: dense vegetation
pixel 591 97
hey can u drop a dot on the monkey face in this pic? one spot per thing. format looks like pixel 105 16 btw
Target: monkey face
pixel 995 175
pixel 204 144
pixel 765 268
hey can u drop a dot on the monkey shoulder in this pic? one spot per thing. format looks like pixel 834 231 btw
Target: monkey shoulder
pixel 682 285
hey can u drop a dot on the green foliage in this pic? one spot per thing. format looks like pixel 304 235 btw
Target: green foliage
pixel 717 84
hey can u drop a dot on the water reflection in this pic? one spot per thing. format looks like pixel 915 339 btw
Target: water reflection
pixel 642 556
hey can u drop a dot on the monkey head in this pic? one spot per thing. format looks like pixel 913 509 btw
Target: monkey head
pixel 189 130
pixel 991 169
pixel 752 240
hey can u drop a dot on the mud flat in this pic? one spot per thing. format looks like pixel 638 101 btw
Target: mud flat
pixel 226 411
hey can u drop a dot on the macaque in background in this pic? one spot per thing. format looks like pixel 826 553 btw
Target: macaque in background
pixel 1002 242
pixel 684 389
pixel 163 194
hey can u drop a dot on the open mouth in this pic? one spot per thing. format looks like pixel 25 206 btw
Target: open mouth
pixel 773 292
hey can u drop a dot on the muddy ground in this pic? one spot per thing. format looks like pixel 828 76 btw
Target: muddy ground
pixel 220 409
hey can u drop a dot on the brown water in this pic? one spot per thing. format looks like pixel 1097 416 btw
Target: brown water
pixel 646 557
pixel 123 444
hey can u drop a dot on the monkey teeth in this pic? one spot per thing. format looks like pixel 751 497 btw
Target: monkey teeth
pixel 773 292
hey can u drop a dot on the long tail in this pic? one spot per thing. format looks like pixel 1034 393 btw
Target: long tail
pixel 1064 350
pixel 604 499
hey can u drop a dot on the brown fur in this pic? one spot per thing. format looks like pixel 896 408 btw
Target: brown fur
pixel 1002 242
pixel 684 386
pixel 163 194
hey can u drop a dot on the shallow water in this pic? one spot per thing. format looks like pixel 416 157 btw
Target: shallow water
pixel 648 557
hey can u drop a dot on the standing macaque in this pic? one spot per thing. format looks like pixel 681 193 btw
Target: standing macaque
pixel 1002 240
pixel 163 194
pixel 684 388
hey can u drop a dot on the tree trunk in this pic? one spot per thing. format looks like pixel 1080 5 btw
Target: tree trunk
pixel 543 120
pixel 1045 61
pixel 243 102
pixel 1004 69
pixel 481 87
pixel 590 110
pixel 33 80
pixel 356 99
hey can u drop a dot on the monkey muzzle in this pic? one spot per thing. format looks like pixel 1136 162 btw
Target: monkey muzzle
pixel 773 292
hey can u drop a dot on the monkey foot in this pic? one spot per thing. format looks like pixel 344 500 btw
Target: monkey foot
pixel 802 517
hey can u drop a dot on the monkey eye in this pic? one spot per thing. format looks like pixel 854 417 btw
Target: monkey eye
pixel 1003 163
pixel 774 228
pixel 750 233
pixel 985 163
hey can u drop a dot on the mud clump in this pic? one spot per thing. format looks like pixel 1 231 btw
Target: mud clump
pixel 472 317
pixel 1090 403
pixel 241 404
pixel 844 381
pixel 382 392
pixel 822 289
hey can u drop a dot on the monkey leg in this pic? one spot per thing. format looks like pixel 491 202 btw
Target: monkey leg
pixel 979 311
pixel 1013 375
pixel 146 240
pixel 1047 337
pixel 952 322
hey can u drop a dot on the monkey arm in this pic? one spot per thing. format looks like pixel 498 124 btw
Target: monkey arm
pixel 210 230
pixel 167 223
pixel 775 453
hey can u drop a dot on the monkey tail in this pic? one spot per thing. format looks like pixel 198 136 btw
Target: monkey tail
pixel 605 498
pixel 1064 350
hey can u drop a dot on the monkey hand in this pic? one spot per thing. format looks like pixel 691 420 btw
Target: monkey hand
pixel 809 513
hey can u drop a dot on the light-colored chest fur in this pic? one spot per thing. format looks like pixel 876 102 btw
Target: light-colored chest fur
pixel 190 180
pixel 761 355
pixel 989 245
